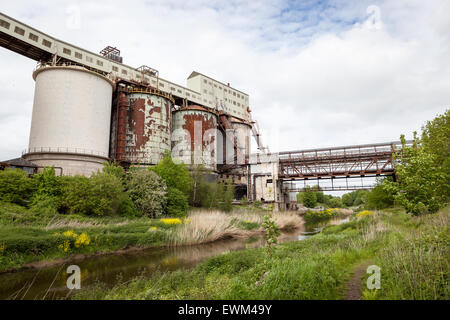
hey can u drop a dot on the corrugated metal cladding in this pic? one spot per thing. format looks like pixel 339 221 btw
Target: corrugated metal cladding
pixel 194 136
pixel 147 127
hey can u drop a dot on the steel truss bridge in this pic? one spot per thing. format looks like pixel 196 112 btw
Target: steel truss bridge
pixel 358 161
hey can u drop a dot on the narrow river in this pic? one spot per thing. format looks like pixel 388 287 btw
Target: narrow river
pixel 50 283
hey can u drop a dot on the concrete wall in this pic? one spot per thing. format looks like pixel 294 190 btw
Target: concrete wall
pixel 71 114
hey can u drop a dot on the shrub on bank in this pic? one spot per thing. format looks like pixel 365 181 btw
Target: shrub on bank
pixel 97 195
pixel 314 216
pixel 148 192
pixel 15 186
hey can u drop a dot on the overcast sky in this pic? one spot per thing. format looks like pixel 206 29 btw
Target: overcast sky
pixel 319 73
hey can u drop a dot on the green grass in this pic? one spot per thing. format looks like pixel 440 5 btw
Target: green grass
pixel 412 253
pixel 28 235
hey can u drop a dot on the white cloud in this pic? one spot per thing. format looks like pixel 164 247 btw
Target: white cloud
pixel 318 77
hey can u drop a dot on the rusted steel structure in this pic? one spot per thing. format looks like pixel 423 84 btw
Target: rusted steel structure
pixel 194 136
pixel 329 163
pixel 141 125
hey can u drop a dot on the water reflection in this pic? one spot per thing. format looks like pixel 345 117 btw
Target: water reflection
pixel 50 283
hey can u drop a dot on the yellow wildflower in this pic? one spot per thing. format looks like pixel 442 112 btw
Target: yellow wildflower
pixel 364 213
pixel 171 221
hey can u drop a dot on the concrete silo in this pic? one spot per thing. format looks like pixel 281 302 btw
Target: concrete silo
pixel 71 119
pixel 194 136
pixel 141 126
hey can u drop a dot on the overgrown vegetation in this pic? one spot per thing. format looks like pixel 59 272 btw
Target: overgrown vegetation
pixel 313 196
pixel 316 268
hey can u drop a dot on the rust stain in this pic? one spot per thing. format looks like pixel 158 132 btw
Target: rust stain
pixel 143 123
pixel 207 122
pixel 136 123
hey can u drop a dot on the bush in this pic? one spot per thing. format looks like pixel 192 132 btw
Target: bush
pixel 127 207
pixel 177 203
pixel 175 175
pixel 97 195
pixel 379 198
pixel 148 192
pixel 15 186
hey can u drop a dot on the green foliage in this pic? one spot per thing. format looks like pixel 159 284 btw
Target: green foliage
pixel 147 191
pixel 175 175
pixel 226 197
pixel 127 207
pixel 177 204
pixel 15 186
pixel 114 169
pixel 380 197
pixel 423 170
pixel 316 216
pixel 97 195
pixel 347 199
pixel 257 204
pixel 272 232
pixel 335 202
pixel 200 187
pixel 309 198
pixel 244 201
pixel 320 197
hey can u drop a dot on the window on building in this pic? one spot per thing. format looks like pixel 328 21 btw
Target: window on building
pixel 67 51
pixel 124 71
pixel 46 43
pixel 78 55
pixel 4 24
pixel 114 68
pixel 19 31
pixel 33 37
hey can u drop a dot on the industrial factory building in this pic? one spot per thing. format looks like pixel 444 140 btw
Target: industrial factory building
pixel 90 108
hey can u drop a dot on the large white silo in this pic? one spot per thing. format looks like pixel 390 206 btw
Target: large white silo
pixel 71 117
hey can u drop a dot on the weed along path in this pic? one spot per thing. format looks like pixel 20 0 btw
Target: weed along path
pixel 110 270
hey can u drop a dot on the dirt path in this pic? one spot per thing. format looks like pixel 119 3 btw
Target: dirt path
pixel 353 288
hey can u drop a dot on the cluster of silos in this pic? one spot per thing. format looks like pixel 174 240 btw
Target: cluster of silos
pixel 141 126
pixel 70 125
pixel 77 126
pixel 194 136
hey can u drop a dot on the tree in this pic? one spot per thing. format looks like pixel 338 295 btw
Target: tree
pixel 97 195
pixel 423 170
pixel 309 198
pixel 177 204
pixel 335 202
pixel 200 186
pixel 347 199
pixel 15 186
pixel 380 197
pixel 114 169
pixel 147 191
pixel 320 197
pixel 175 175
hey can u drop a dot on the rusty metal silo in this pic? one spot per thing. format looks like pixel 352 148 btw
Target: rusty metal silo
pixel 242 132
pixel 141 126
pixel 194 136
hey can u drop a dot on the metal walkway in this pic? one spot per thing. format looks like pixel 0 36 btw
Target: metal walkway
pixel 369 160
